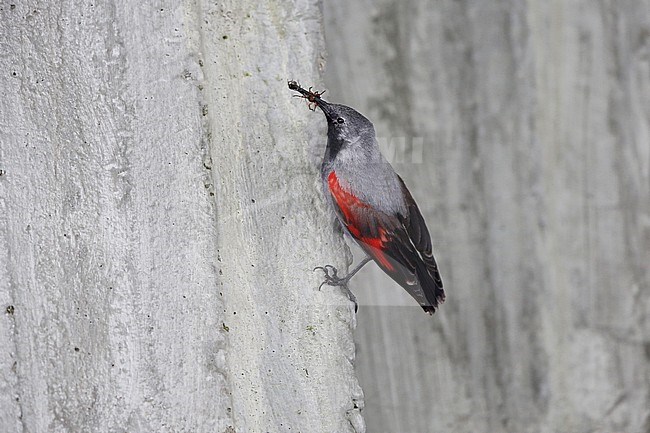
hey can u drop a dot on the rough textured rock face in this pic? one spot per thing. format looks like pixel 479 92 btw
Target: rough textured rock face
pixel 160 217
pixel 523 130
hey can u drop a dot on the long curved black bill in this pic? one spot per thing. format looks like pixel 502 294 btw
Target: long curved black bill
pixel 325 106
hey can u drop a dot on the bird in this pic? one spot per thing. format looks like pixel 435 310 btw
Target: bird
pixel 373 205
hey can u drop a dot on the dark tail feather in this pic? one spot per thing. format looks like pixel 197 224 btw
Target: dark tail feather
pixel 431 286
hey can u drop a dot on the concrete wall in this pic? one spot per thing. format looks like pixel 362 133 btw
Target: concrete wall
pixel 160 216
pixel 531 162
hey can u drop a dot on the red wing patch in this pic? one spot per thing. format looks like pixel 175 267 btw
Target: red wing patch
pixel 350 206
pixel 398 242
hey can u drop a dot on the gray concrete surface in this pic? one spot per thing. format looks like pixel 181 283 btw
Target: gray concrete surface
pixel 531 162
pixel 160 216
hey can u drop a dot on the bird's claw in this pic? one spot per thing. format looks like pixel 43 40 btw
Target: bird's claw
pixel 332 279
pixel 324 269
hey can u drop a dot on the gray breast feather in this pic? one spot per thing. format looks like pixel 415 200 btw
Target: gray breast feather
pixel 373 182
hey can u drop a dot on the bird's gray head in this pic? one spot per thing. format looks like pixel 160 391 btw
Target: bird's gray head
pixel 346 127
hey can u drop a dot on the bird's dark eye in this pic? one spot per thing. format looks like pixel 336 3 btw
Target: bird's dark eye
pixel 340 120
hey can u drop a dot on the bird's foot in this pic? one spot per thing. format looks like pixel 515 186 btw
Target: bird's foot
pixel 332 279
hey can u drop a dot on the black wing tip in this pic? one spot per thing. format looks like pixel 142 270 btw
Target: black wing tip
pixel 440 298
